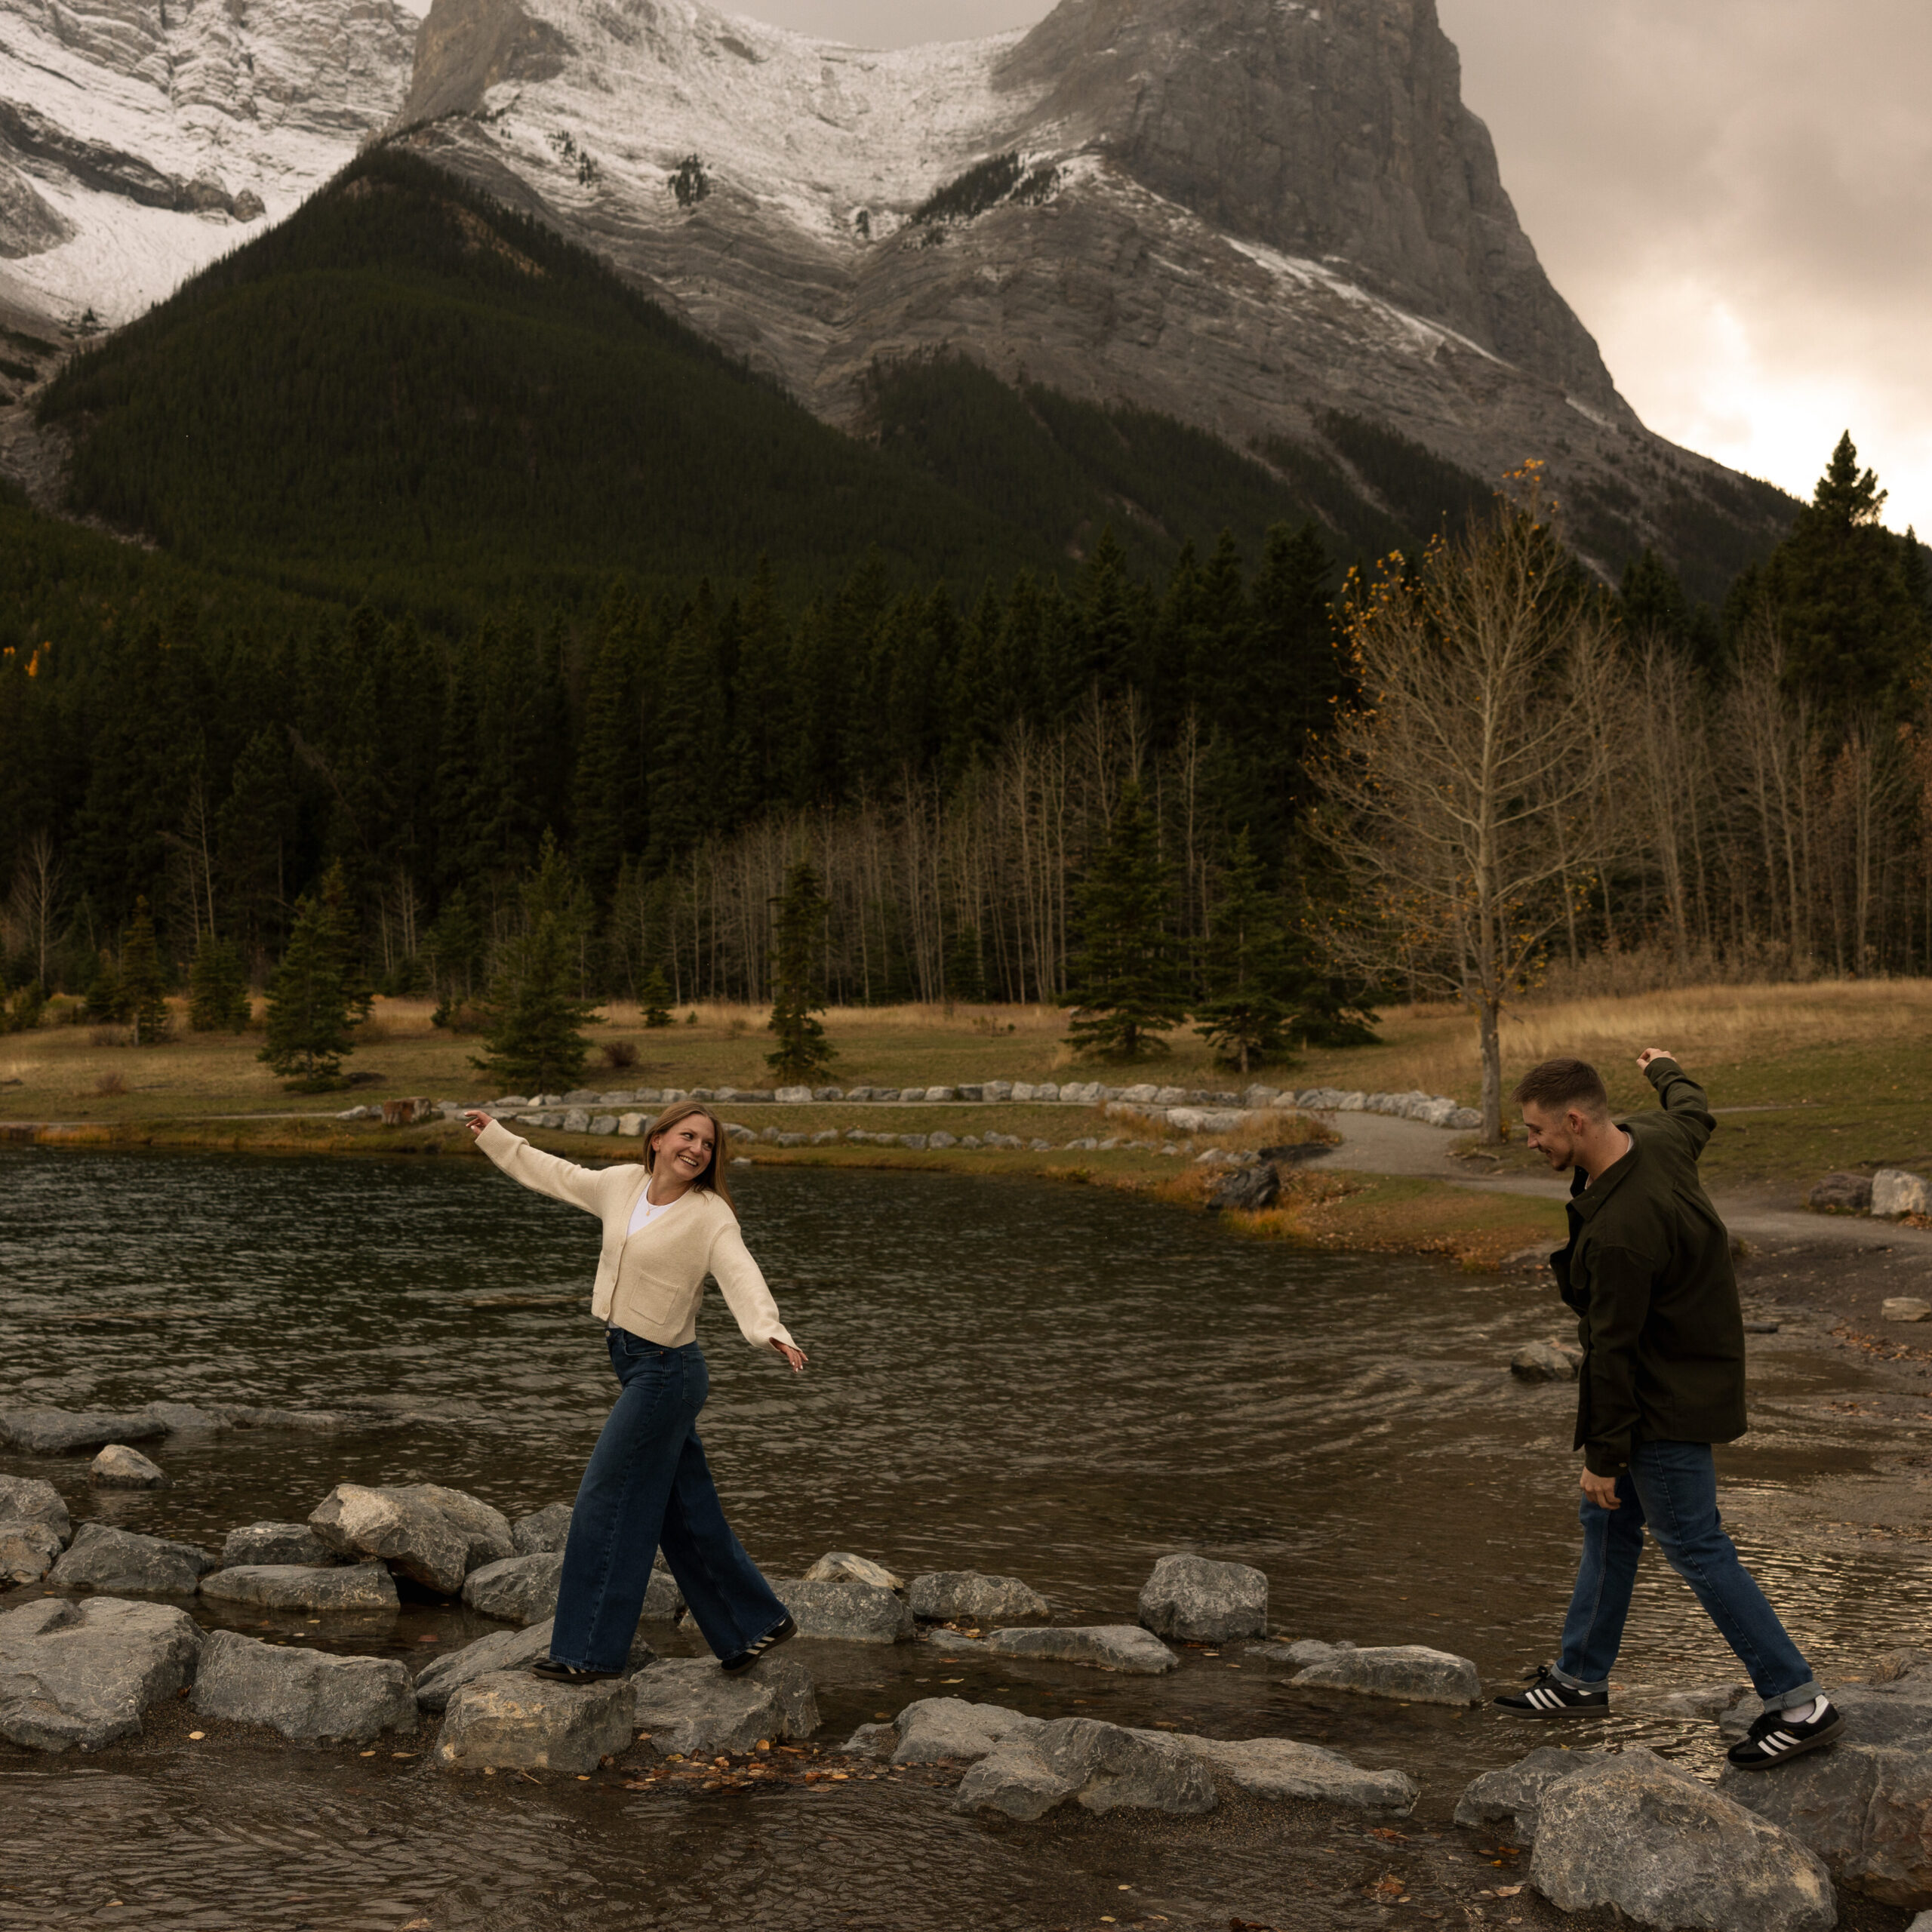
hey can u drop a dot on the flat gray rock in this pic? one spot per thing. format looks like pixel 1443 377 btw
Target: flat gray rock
pixel 119 1467
pixel 486 1529
pixel 1284 1767
pixel 936 1730
pixel 502 1649
pixel 1101 1767
pixel 1636 1833
pixel 1303 1652
pixel 354 1586
pixel 841 1566
pixel 28 1550
pixel 1545 1361
pixel 306 1695
pixel 1411 1673
pixel 102 1559
pixel 520 1589
pixel 845 1612
pixel 689 1706
pixel 1122 1646
pixel 28 1499
pixel 80 1674
pixel 408 1534
pixel 59 1432
pixel 1195 1600
pixel 186 1418
pixel 970 1596
pixel 542 1530
pixel 511 1721
pixel 276 1543
pixel 1507 1803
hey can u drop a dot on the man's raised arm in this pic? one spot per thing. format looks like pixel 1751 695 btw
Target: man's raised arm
pixel 1683 1098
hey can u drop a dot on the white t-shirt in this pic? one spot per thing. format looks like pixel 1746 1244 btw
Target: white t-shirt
pixel 646 1210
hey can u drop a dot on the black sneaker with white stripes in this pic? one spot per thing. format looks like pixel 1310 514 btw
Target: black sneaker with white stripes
pixel 1776 1739
pixel 1548 1697
pixel 764 1646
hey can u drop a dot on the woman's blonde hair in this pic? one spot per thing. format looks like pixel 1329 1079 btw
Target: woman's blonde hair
pixel 713 1177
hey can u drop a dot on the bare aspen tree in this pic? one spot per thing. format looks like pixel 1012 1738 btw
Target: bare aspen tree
pixel 34 904
pixel 1457 796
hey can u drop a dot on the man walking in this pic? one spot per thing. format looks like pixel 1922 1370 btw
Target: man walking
pixel 1647 1271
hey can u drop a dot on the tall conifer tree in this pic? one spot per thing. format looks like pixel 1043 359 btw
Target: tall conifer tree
pixel 1127 988
pixel 143 979
pixel 798 989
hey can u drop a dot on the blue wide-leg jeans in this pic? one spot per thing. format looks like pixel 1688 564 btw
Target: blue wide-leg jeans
pixel 1670 1488
pixel 648 1484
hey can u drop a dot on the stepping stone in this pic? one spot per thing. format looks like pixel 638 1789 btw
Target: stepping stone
pixel 406 1533
pixel 80 1674
pixel 27 1498
pixel 28 1550
pixel 58 1432
pixel 276 1543
pixel 510 1721
pixel 543 1530
pixel 1101 1767
pixel 306 1695
pixel 1194 1600
pixel 846 1613
pixel 970 1596
pixel 1411 1673
pixel 502 1649
pixel 689 1706
pixel 102 1559
pixel 841 1566
pixel 119 1467
pixel 1122 1646
pixel 354 1586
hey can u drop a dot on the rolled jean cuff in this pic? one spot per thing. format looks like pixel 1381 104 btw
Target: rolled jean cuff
pixel 1805 1692
pixel 1576 1683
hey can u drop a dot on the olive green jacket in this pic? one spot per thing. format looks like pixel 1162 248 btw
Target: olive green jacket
pixel 1648 1273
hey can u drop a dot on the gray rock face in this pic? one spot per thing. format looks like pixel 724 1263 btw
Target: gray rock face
pixel 1122 1646
pixel 354 1586
pixel 1410 1672
pixel 119 1467
pixel 1248 1190
pixel 542 1530
pixel 80 1675
pixel 846 1613
pixel 304 1694
pixel 28 1499
pixel 28 1550
pixel 1636 1833
pixel 510 1720
pixel 1508 1802
pixel 1284 1768
pixel 1193 1599
pixel 101 1558
pixel 936 1730
pixel 487 1530
pixel 1841 1194
pixel 58 1431
pixel 276 1543
pixel 841 1566
pixel 1897 1191
pixel 970 1596
pixel 520 1589
pixel 502 1649
pixel 688 1705
pixel 1545 1361
pixel 1303 1652
pixel 420 1542
pixel 1101 1767
pixel 662 1599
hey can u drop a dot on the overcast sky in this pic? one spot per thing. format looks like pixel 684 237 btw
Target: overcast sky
pixel 1736 196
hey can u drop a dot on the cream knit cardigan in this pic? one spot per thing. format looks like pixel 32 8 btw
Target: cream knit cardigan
pixel 651 1282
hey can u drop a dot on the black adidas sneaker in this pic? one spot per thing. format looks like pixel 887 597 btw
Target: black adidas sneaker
pixel 1547 1697
pixel 1776 1740
pixel 764 1646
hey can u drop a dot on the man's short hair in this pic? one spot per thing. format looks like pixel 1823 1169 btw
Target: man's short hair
pixel 1558 1085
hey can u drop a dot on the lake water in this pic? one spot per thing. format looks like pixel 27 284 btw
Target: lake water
pixel 1049 1381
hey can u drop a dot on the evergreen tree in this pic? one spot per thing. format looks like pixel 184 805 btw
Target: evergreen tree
pixel 143 979
pixel 310 1000
pixel 798 991
pixel 1247 1015
pixel 217 989
pixel 1127 986
pixel 454 944
pixel 535 1019
pixel 104 1000
pixel 655 997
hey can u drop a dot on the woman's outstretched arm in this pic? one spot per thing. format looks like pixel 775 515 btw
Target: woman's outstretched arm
pixel 748 1297
pixel 545 1173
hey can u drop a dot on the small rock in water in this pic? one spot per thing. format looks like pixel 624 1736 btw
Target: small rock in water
pixel 1412 1673
pixel 1545 1361
pixel 970 1596
pixel 186 1418
pixel 1303 1652
pixel 1905 1308
pixel 80 1675
pixel 408 1534
pixel 353 1586
pixel 688 1705
pixel 58 1431
pixel 1101 1767
pixel 276 1543
pixel 119 1467
pixel 305 1694
pixel 502 1650
pixel 935 1730
pixel 1122 1646
pixel 1508 1802
pixel 511 1721
pixel 542 1530
pixel 520 1589
pixel 846 1613
pixel 1284 1768
pixel 28 1499
pixel 102 1559
pixel 28 1550
pixel 841 1566
pixel 1193 1599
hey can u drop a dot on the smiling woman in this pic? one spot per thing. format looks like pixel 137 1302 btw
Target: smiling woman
pixel 668 1224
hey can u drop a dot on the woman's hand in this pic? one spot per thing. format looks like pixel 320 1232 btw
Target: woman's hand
pixel 796 1357
pixel 475 1119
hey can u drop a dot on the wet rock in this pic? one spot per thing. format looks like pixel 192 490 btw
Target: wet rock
pixel 1303 1652
pixel 305 1694
pixel 1284 1767
pixel 119 1467
pixel 1905 1308
pixel 355 1586
pixel 502 1649
pixel 869 1740
pixel 1895 1192
pixel 1545 1361
pixel 1122 1646
pixel 688 1705
pixel 1841 1194
pixel 935 1730
pixel 102 1559
pixel 276 1543
pixel 511 1720
pixel 1410 1672
pixel 487 1530
pixel 841 1566
pixel 411 1537
pixel 58 1431
pixel 27 1499
pixel 1101 1767
pixel 520 1589
pixel 1635 1833
pixel 186 1418
pixel 28 1550
pixel 542 1530
pixel 970 1596
pixel 80 1675
pixel 1247 1190
pixel 845 1612
pixel 1705 1701
pixel 1507 1803
pixel 1194 1599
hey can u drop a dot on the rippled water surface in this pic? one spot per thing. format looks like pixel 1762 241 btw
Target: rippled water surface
pixel 1053 1381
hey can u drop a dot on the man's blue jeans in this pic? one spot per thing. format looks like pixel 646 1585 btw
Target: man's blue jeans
pixel 648 1484
pixel 1671 1489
